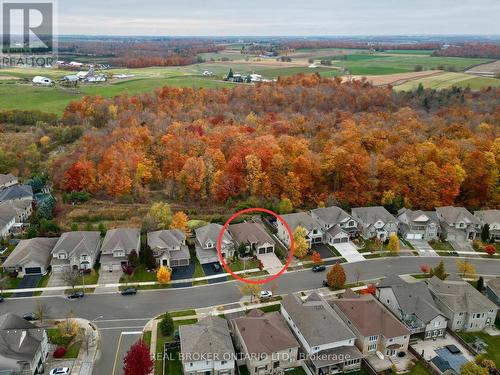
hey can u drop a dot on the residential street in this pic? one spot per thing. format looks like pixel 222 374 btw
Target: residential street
pixel 130 314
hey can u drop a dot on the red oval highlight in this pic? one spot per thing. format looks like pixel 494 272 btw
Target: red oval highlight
pixel 224 228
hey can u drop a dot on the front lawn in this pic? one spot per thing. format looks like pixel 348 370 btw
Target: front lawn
pixel 73 350
pixel 298 371
pixel 175 314
pixel 91 278
pixel 198 272
pixel 493 343
pixel 240 265
pixel 441 245
pixel 146 337
pixel 140 274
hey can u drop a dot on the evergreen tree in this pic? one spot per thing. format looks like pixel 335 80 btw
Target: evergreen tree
pixel 485 233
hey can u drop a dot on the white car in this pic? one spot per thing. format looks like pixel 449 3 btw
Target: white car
pixel 266 294
pixel 60 371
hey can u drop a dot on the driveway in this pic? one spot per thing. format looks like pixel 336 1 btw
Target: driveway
pixel 464 246
pixel 323 250
pixel 270 262
pixel 209 271
pixel 54 280
pixel 28 281
pixel 349 252
pixel 180 273
pixel 106 277
pixel 423 248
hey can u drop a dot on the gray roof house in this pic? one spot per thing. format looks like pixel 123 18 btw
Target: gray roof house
pixel 7 219
pixel 492 218
pixel 414 305
pixel 31 257
pixel 116 247
pixel 16 192
pixel 324 337
pixel 418 224
pixel 23 346
pixel 22 209
pixel 466 308
pixel 254 236
pixel 375 222
pixel 76 250
pixel 493 290
pixel 7 180
pixel 207 347
pixel 266 341
pixel 304 220
pixel 337 224
pixel 206 243
pixel 458 224
pixel 169 247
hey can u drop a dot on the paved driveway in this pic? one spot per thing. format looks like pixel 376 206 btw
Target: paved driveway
pixel 270 262
pixel 180 273
pixel 106 277
pixel 28 281
pixel 54 280
pixel 209 271
pixel 423 248
pixel 462 246
pixel 349 252
pixel 323 250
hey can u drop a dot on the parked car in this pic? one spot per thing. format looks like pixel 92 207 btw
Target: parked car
pixel 318 268
pixel 60 371
pixel 216 267
pixel 325 284
pixel 1 298
pixel 77 294
pixel 266 294
pixel 29 317
pixel 3 250
pixel 129 292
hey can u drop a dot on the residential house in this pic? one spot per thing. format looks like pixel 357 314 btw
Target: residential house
pixel 466 308
pixel 314 232
pixel 265 341
pixel 16 192
pixel 414 306
pixel 169 247
pixel 207 348
pixel 117 246
pixel 327 342
pixel 22 209
pixel 418 224
pixel 253 236
pixel 492 218
pixel 31 257
pixel 375 222
pixel 76 250
pixel 206 243
pixel 23 346
pixel 375 327
pixel 7 180
pixel 337 224
pixel 7 220
pixel 493 290
pixel 458 224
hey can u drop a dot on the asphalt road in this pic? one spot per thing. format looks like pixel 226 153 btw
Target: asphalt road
pixel 116 314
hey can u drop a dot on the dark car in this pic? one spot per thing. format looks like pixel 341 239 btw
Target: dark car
pixel 1 298
pixel 216 267
pixel 325 283
pixel 318 268
pixel 29 317
pixel 75 295
pixel 129 292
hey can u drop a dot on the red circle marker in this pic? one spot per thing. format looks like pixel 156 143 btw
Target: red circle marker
pixel 221 234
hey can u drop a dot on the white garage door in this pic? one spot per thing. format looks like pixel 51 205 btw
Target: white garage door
pixel 414 236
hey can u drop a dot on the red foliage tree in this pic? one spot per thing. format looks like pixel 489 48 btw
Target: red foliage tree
pixel 490 250
pixel 316 258
pixel 138 360
pixel 59 352
pixel 370 289
pixel 425 268
pixel 336 276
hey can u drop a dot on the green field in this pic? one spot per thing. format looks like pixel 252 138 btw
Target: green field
pixel 448 80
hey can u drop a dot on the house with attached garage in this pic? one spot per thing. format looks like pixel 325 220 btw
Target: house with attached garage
pixel 76 250
pixel 493 290
pixel 206 243
pixel 265 341
pixel 328 344
pixel 492 218
pixel 466 308
pixel 7 180
pixel 207 347
pixel 375 327
pixel 314 232
pixel 169 247
pixel 24 347
pixel 458 224
pixel 337 224
pixel 117 246
pixel 418 225
pixel 414 306
pixel 375 222
pixel 31 257
pixel 253 236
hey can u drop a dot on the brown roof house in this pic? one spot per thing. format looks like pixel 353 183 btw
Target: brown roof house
pixel 375 327
pixel 265 342
pixel 253 236
pixel 31 257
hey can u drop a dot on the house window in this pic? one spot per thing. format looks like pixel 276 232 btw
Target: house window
pixel 372 347
pixel 373 338
pixel 428 334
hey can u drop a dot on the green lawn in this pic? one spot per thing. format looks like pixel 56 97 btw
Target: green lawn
pixel 176 314
pixel 419 369
pixel 198 272
pixel 240 265
pixel 73 350
pixel 140 274
pixel 441 246
pixel 297 371
pixel 271 308
pixel 174 364
pixel 493 343
pixel 146 337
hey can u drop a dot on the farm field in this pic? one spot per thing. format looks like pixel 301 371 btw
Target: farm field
pixel 492 68
pixel 398 78
pixel 448 80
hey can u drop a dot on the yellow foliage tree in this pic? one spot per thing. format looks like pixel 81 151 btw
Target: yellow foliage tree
pixel 161 213
pixel 466 269
pixel 299 237
pixel 180 221
pixel 164 275
pixel 251 290
pixel 393 244
pixel 44 141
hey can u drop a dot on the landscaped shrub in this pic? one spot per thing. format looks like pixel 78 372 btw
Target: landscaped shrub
pixel 167 325
pixel 59 352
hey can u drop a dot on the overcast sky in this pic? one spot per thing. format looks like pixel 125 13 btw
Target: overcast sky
pixel 278 17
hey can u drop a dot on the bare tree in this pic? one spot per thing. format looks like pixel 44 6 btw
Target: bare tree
pixel 357 275
pixel 41 310
pixel 71 277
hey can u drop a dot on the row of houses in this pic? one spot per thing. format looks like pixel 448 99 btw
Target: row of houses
pixel 335 335
pixel 334 225
pixel 16 204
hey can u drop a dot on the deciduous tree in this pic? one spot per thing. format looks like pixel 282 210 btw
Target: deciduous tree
pixel 393 245
pixel 300 243
pixel 336 277
pixel 138 360
pixel 466 269
pixel 180 221
pixel 163 275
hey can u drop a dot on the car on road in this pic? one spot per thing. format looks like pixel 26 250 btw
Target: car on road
pixel 29 317
pixel 129 292
pixel 75 295
pixel 266 294
pixel 318 268
pixel 216 267
pixel 60 371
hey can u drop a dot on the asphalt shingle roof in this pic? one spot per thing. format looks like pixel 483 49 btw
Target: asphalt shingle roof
pixel 78 243
pixel 331 215
pixel 37 250
pixel 121 239
pixel 453 215
pixel 300 218
pixel 370 215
